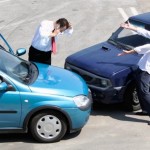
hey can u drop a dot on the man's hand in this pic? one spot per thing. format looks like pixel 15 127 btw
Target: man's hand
pixel 126 52
pixel 70 26
pixel 55 32
pixel 123 53
pixel 128 26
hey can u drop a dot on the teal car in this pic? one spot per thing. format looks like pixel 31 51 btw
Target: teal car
pixel 47 101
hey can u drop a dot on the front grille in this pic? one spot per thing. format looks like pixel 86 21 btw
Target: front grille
pixel 91 79
pixel 86 77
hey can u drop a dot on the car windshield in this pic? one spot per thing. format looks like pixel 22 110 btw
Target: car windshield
pixel 127 39
pixel 16 67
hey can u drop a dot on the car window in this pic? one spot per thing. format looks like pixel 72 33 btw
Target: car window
pixel 3 45
pixel 13 66
pixel 130 38
pixel 1 79
pixel 10 86
pixel 17 68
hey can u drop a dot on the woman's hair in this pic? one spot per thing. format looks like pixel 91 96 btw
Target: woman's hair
pixel 63 22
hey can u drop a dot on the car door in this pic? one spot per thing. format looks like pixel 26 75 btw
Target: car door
pixel 4 45
pixel 10 105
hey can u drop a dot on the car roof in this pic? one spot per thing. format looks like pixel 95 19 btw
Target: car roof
pixel 145 18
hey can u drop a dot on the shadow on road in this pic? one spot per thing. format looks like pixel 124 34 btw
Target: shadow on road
pixel 116 111
pixel 27 138
pixel 16 137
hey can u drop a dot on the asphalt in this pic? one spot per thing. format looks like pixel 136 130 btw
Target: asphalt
pixel 109 127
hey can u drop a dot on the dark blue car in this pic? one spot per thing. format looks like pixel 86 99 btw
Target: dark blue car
pixel 111 78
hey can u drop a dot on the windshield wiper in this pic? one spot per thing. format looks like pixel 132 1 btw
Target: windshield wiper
pixel 120 45
pixel 115 43
pixel 112 42
pixel 124 46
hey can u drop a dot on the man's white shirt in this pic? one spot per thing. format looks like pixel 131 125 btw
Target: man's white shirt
pixel 144 62
pixel 42 40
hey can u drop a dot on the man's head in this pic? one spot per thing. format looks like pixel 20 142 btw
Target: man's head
pixel 62 24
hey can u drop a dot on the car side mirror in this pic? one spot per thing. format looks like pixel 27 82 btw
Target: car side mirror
pixel 20 51
pixel 3 86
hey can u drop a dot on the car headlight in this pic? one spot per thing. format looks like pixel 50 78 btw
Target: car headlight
pixel 67 66
pixel 101 82
pixel 82 102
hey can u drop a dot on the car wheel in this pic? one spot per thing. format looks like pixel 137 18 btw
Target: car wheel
pixel 48 127
pixel 131 101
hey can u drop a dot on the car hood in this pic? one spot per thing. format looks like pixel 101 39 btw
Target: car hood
pixel 58 81
pixel 102 59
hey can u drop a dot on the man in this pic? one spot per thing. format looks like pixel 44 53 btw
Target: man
pixel 44 39
pixel 143 72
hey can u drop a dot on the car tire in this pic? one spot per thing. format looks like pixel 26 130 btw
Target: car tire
pixel 131 101
pixel 48 127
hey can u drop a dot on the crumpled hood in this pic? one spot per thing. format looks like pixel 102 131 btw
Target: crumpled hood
pixel 102 61
pixel 58 81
